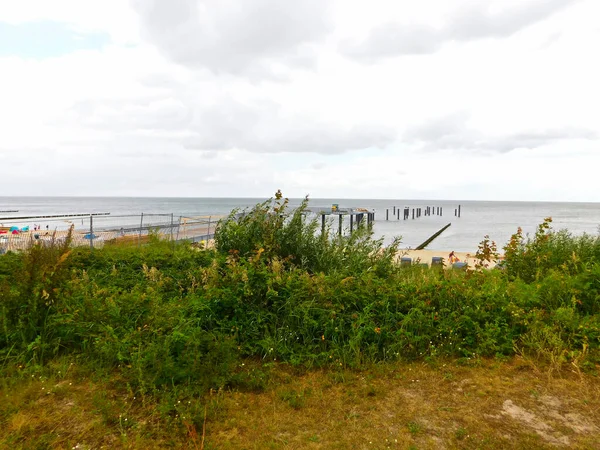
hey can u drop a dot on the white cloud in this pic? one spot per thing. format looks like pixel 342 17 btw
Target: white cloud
pixel 232 36
pixel 472 21
pixel 224 102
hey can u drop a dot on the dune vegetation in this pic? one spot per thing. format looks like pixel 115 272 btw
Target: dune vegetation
pixel 279 336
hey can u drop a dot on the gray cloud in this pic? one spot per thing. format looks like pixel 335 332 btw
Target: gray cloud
pixel 240 37
pixel 391 39
pixel 156 113
pixel 453 133
pixel 472 22
pixel 180 118
pixel 264 128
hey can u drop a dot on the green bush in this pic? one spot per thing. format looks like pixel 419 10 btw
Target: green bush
pixel 275 289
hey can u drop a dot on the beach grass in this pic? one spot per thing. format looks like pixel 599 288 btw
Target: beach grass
pixel 487 403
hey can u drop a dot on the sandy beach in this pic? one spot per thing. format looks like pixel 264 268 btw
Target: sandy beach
pixel 425 256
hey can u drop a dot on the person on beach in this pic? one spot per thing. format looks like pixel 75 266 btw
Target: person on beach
pixel 453 258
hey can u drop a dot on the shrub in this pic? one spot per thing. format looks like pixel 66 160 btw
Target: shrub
pixel 276 289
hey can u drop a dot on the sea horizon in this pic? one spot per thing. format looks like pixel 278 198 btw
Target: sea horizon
pixel 298 198
pixel 494 218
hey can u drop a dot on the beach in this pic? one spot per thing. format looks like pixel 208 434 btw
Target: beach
pixel 425 256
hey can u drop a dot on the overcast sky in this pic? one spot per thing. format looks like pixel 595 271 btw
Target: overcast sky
pixel 428 99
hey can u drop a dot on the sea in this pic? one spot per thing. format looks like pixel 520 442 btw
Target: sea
pixel 496 219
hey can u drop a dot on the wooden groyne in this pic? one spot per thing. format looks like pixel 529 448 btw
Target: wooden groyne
pixel 430 240
pixel 55 216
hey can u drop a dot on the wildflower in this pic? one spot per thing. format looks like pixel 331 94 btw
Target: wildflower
pixel 323 337
pixel 378 330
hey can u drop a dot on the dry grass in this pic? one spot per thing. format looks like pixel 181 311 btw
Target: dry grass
pixel 490 405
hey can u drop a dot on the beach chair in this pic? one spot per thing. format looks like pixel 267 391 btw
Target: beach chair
pixel 405 261
pixel 437 261
pixel 460 265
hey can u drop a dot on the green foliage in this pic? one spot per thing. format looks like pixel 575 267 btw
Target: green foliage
pixel 30 292
pixel 275 289
pixel 531 259
pixel 271 231
pixel 487 253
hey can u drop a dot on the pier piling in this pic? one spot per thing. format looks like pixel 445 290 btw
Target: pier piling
pixel 91 232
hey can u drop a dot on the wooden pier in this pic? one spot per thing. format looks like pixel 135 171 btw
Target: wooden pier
pixel 357 217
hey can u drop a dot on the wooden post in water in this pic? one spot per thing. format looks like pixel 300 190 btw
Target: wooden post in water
pixel 394 211
pixel 398 213
pixel 441 210
pixel 455 212
pixel 351 223
pixel 387 214
pixel 340 224
pixel 413 213
pixel 458 210
pixel 322 223
pixel 172 228
pixel 91 232
pixel 140 234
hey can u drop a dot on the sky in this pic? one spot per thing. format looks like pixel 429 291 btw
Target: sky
pixel 435 99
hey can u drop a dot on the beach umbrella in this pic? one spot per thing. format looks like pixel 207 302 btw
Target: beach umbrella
pixel 13 229
pixel 90 236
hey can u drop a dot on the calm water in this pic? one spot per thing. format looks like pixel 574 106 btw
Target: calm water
pixel 497 219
